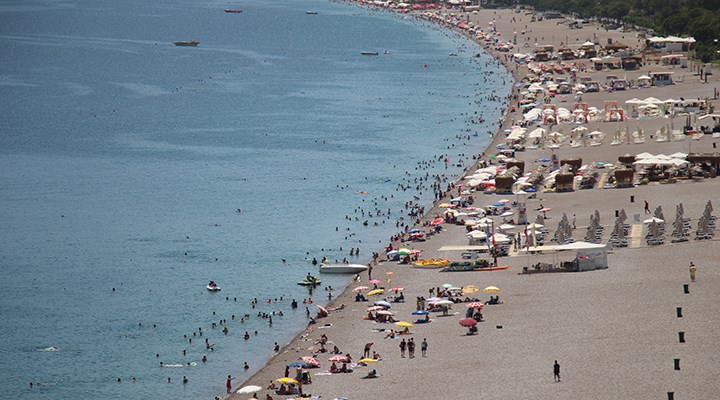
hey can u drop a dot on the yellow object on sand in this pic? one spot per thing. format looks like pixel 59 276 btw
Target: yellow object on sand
pixel 491 289
pixel 375 292
pixel 404 324
pixel 368 360
pixel 286 380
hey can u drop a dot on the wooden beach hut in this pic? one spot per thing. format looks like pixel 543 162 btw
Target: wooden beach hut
pixel 624 177
pixel 574 162
pixel 627 160
pixel 519 164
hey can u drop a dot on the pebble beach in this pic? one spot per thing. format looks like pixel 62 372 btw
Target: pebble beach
pixel 615 332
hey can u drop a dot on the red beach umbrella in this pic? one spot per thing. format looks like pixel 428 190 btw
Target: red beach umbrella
pixel 338 359
pixel 467 322
pixel 475 304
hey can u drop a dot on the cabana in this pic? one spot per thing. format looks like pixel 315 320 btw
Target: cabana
pixel 661 78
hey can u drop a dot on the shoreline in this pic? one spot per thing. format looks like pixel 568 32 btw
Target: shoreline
pixel 466 171
pixel 640 258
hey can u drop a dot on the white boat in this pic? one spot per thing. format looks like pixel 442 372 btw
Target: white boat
pixel 213 288
pixel 342 268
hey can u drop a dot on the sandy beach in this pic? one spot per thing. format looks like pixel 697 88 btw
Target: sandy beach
pixel 614 332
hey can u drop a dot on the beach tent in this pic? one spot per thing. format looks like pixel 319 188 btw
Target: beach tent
pixel 589 256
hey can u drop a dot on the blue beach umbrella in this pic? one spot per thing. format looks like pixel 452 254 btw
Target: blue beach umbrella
pixel 414 230
pixel 420 312
pixel 298 364
pixel 530 190
pixel 498 204
pixel 544 159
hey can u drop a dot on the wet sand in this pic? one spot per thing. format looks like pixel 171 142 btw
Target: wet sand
pixel 615 332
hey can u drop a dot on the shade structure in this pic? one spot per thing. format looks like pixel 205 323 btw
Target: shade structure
pixel 249 389
pixel 286 380
pixel 491 289
pixel 404 324
pixel 475 304
pixel 467 322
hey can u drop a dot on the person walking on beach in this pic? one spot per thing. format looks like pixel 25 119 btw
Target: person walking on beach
pixel 411 348
pixel 402 348
pixel 423 347
pixel 228 384
pixel 556 371
pixel 693 272
pixel 647 207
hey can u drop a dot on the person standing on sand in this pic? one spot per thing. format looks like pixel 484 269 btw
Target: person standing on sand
pixel 647 207
pixel 366 353
pixel 556 371
pixel 402 348
pixel 411 348
pixel 423 347
pixel 693 272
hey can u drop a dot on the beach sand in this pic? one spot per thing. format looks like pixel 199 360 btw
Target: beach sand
pixel 615 332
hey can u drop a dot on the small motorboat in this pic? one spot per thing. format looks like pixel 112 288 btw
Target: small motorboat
pixel 309 281
pixel 212 287
pixel 369 53
pixel 342 268
pixel 311 12
pixel 233 10
pixel 188 43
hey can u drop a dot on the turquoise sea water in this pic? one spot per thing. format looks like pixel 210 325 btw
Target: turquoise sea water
pixel 125 159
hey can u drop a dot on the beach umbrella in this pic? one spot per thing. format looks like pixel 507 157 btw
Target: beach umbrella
pixel 286 380
pixel 397 289
pixel 297 364
pixel 544 159
pixel 475 304
pixel 437 221
pixel 467 322
pixel 249 389
pixel 507 214
pixel 491 289
pixel 503 201
pixel 415 230
pixel 385 312
pixel 444 302
pixel 498 204
pixel 360 289
pixel 338 359
pixel 470 289
pixel 404 324
pixel 447 286
pixel 420 312
pixel 376 292
pixel 383 303
pixel 374 282
pixel 374 308
pixel 653 219
pixel 311 361
pixel 367 360
pixel 321 308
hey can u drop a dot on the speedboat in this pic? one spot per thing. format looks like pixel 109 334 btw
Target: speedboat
pixel 310 281
pixel 342 268
pixel 233 11
pixel 190 43
pixel 212 288
pixel 369 53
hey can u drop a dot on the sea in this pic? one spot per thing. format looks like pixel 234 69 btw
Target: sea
pixel 135 171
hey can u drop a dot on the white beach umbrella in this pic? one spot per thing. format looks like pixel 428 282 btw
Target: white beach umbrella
pixel 249 389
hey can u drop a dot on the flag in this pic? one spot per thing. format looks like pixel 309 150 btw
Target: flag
pixel 487 235
pixel 532 233
pixel 493 232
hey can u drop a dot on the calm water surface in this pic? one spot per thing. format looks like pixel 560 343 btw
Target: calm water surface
pixel 125 158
